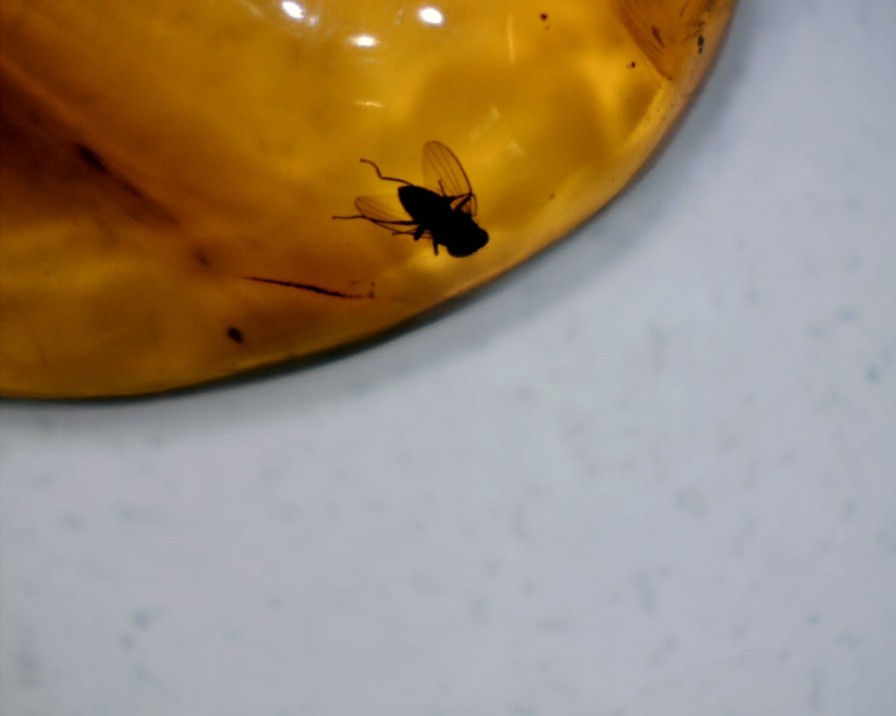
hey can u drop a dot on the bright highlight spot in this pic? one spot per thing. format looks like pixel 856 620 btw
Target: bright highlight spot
pixel 293 9
pixel 431 16
pixel 364 41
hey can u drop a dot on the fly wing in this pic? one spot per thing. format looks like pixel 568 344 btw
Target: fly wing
pixel 443 174
pixel 386 211
pixel 381 208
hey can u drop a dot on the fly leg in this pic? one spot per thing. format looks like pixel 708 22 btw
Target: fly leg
pixel 463 202
pixel 385 178
pixel 418 234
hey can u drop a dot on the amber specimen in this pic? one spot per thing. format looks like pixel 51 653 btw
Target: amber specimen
pixel 157 157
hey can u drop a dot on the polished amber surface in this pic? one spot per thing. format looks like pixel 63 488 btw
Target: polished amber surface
pixel 156 156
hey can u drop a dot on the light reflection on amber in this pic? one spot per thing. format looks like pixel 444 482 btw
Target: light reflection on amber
pixel 431 16
pixel 363 41
pixel 293 9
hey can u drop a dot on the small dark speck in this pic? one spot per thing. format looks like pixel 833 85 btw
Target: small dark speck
pixel 543 16
pixel 91 158
pixel 235 334
pixel 71 521
pixel 202 257
pixel 886 538
pixel 235 637
pixel 554 623
pixel 632 64
pixel 816 691
pixel 371 288
pixel 849 640
pixel 144 618
pixel 700 42
pixel 28 666
pixel 276 603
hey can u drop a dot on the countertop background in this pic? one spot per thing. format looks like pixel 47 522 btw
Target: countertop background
pixel 651 472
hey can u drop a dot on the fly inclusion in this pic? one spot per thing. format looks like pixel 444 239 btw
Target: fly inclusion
pixel 443 210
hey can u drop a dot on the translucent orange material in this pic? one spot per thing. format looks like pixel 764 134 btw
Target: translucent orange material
pixel 157 158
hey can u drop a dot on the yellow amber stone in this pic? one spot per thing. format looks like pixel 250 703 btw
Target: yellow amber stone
pixel 171 170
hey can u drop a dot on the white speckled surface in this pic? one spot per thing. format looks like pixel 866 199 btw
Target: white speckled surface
pixel 652 473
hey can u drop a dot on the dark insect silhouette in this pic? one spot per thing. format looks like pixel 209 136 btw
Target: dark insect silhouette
pixel 443 210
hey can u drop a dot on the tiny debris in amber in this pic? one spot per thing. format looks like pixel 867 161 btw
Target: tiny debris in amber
pixel 170 172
